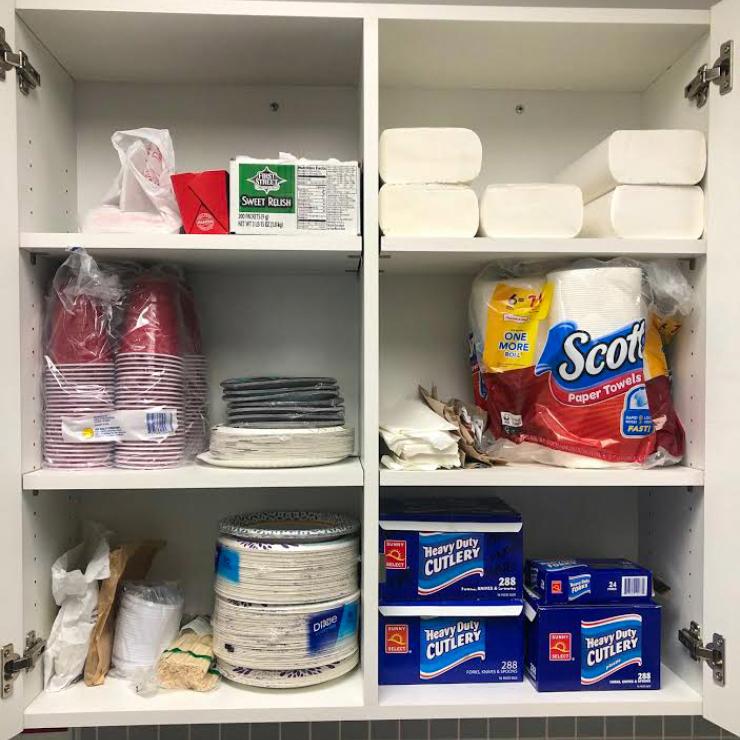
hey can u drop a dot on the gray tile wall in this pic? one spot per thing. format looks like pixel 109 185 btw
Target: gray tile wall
pixel 525 728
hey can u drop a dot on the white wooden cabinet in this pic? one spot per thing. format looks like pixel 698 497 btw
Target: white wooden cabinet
pixel 240 77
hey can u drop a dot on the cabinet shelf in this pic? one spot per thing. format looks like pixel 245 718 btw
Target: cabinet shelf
pixel 409 255
pixel 345 473
pixel 543 475
pixel 300 253
pixel 522 700
pixel 116 703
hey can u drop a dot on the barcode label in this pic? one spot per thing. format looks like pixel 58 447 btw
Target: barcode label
pixel 159 422
pixel 634 585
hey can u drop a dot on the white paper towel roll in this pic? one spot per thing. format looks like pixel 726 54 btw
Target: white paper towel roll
pixel 536 211
pixel 652 157
pixel 598 300
pixel 430 155
pixel 646 212
pixel 428 210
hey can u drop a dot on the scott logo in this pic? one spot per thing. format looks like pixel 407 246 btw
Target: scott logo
pixel 395 554
pixel 267 181
pixel 556 587
pixel 396 638
pixel 561 646
pixel 586 370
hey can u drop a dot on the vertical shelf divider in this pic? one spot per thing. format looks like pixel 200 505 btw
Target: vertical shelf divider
pixel 370 354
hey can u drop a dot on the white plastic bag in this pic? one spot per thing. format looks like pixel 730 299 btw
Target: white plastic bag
pixel 141 198
pixel 74 585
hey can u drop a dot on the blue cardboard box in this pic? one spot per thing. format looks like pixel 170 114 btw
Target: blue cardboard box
pixel 589 581
pixel 450 551
pixel 591 647
pixel 444 649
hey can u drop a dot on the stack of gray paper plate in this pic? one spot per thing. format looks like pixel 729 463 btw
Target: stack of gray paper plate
pixel 283 403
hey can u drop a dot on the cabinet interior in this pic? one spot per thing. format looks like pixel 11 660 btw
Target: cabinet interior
pixel 534 112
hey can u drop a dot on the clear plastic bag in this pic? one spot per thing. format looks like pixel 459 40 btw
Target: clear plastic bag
pixel 141 198
pixel 124 372
pixel 568 361
pixel 148 620
pixel 78 371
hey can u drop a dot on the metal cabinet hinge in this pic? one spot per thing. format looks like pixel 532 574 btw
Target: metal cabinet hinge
pixel 720 74
pixel 11 664
pixel 713 653
pixel 28 77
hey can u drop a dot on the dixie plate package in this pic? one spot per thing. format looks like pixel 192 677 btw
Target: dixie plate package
pixel 443 649
pixel 591 647
pixel 288 195
pixel 450 552
pixel 589 581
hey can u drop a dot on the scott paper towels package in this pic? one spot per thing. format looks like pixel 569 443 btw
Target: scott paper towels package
pixel 428 155
pixel 569 362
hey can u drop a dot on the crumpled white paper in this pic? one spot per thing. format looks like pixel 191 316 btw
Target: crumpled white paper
pixel 74 585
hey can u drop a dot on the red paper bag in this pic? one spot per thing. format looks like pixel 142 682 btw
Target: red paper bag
pixel 203 201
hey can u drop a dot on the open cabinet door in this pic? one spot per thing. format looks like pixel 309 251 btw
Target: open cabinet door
pixel 722 491
pixel 11 612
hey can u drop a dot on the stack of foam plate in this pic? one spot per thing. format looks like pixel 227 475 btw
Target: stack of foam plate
pixel 272 626
pixel 278 448
pixel 150 374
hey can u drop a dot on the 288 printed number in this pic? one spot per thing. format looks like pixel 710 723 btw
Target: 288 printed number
pixel 510 666
pixel 507 582
pixel 644 677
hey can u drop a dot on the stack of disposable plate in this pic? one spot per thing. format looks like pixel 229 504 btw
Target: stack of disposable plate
pixel 287 598
pixel 278 448
pixel 283 403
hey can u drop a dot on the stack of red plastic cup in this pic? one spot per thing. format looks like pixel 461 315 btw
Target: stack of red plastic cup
pixel 150 373
pixel 196 381
pixel 78 381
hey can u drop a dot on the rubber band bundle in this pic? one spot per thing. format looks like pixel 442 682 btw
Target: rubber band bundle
pixel 287 598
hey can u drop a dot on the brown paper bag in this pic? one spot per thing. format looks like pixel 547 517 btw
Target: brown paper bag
pixel 130 562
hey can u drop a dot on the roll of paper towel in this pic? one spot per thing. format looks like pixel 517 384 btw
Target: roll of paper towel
pixel 653 157
pixel 598 300
pixel 646 212
pixel 546 211
pixel 428 210
pixel 427 155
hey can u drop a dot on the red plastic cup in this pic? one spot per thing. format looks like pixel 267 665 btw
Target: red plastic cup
pixel 192 336
pixel 79 333
pixel 151 322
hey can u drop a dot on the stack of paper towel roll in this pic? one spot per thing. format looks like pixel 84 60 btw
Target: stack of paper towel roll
pixel 642 185
pixel 426 172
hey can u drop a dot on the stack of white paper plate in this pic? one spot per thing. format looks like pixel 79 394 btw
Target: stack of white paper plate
pixel 287 598
pixel 278 448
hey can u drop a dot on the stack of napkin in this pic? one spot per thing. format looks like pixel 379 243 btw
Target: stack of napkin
pixel 417 438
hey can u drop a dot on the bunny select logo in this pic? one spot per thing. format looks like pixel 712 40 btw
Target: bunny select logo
pixel 561 646
pixel 266 181
pixel 584 370
pixel 395 555
pixel 396 638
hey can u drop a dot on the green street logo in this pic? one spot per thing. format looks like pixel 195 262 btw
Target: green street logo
pixel 266 181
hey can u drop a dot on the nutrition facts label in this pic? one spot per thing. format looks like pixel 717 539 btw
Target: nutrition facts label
pixel 327 197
